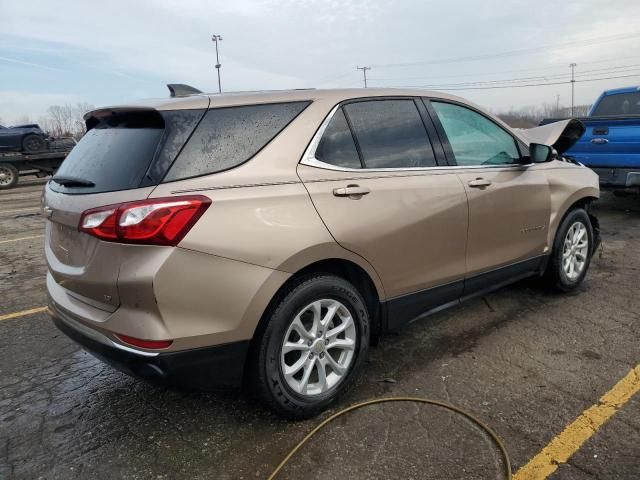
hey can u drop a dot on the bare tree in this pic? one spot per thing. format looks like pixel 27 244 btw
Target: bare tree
pixel 78 114
pixel 531 116
pixel 61 120
pixel 65 120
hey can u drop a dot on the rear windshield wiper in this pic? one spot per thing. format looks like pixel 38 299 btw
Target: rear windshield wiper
pixel 66 181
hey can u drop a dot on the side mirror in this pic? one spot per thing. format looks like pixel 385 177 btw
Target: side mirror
pixel 539 153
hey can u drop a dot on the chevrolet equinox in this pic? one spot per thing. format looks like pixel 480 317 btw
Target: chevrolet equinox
pixel 268 239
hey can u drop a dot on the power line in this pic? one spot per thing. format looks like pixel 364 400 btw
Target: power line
pixel 548 67
pixel 525 51
pixel 619 68
pixel 333 78
pixel 529 84
pixel 616 70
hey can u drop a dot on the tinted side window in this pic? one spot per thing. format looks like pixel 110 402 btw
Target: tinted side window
pixel 475 139
pixel 179 124
pixel 227 137
pixel 619 104
pixel 390 134
pixel 336 146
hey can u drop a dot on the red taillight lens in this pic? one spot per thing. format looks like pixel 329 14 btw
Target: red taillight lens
pixel 151 344
pixel 157 221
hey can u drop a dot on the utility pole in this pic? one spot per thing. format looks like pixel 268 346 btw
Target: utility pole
pixel 364 74
pixel 557 104
pixel 573 84
pixel 215 38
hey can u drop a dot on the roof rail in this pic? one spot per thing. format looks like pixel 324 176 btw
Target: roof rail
pixel 182 90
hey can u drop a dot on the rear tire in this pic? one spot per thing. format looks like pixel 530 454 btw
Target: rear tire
pixel 33 143
pixel 572 251
pixel 299 342
pixel 8 176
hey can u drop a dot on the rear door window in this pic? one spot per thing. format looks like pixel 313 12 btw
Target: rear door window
pixel 337 146
pixel 228 137
pixel 390 134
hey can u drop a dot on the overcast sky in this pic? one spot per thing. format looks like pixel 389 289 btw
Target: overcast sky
pixel 115 51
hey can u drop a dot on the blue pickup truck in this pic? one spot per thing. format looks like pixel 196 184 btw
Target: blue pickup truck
pixel 610 144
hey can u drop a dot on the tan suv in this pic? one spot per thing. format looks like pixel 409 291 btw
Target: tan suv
pixel 271 237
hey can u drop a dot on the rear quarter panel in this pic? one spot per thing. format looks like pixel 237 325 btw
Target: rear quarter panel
pixel 273 226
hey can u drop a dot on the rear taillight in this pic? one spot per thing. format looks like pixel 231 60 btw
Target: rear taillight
pixel 157 221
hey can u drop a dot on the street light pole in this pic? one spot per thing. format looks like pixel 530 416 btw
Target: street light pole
pixel 573 84
pixel 215 38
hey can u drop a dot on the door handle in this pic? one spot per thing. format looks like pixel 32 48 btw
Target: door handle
pixel 479 183
pixel 354 192
pixel 599 141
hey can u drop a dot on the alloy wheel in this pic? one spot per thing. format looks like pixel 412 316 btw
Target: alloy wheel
pixel 575 250
pixel 318 348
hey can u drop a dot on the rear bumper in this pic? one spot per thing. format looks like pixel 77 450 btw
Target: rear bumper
pixel 618 177
pixel 209 368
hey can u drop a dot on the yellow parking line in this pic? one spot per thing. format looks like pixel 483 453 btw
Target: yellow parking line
pixel 562 447
pixel 21 238
pixel 31 311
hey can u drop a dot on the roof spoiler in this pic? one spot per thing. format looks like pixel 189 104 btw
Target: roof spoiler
pixel 182 90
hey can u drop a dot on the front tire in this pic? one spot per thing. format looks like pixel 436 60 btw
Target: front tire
pixel 313 347
pixel 572 251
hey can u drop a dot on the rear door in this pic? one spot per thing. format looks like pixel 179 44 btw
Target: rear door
pixel 371 173
pixel 509 202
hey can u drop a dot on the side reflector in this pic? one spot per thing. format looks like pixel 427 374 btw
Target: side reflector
pixel 150 344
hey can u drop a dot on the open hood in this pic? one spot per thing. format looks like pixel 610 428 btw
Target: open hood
pixel 560 135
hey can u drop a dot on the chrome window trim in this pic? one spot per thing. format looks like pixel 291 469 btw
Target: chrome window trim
pixel 309 156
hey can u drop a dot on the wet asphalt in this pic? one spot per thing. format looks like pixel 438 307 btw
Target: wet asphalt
pixel 523 360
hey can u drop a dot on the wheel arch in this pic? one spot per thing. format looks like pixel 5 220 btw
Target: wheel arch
pixel 343 268
pixel 580 199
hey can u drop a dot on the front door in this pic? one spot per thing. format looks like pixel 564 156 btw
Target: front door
pixel 509 203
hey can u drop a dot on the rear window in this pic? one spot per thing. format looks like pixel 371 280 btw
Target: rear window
pixel 619 104
pixel 126 149
pixel 228 137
